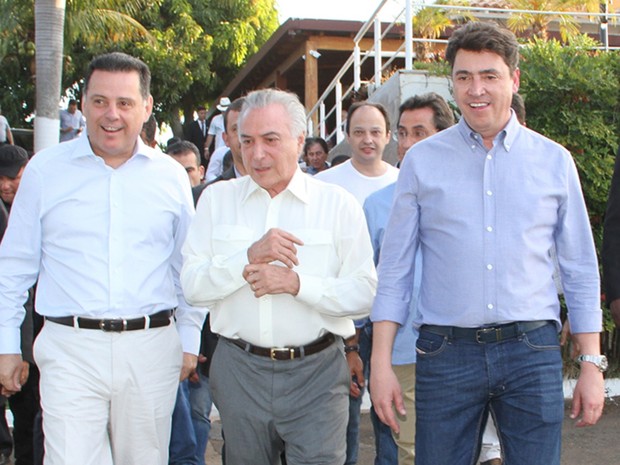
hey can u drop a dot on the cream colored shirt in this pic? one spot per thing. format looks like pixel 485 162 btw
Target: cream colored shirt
pixel 336 272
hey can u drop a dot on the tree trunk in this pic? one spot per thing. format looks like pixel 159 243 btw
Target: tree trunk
pixel 49 28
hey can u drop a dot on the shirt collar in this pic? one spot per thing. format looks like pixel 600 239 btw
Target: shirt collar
pixel 82 148
pixel 505 137
pixel 298 187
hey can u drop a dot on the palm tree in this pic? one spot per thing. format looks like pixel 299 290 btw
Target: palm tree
pixel 50 21
pixel 538 24
pixel 91 22
pixel 430 23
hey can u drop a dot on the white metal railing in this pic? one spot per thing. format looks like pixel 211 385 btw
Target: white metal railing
pixel 357 58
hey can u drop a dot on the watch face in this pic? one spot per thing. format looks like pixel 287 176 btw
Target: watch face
pixel 599 360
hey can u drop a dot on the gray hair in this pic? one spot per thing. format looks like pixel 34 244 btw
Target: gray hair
pixel 264 97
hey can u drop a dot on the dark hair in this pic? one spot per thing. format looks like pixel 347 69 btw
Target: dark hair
pixel 315 140
pixel 120 62
pixel 484 37
pixel 518 105
pixel 149 128
pixel 200 108
pixel 72 102
pixel 183 146
pixel 339 159
pixel 356 106
pixel 442 114
pixel 237 105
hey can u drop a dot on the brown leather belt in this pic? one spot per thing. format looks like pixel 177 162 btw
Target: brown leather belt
pixel 286 353
pixel 117 325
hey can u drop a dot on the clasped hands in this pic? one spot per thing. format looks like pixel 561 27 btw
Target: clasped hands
pixel 262 275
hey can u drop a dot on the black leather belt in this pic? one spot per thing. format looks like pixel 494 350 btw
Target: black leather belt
pixel 156 320
pixel 287 353
pixel 485 334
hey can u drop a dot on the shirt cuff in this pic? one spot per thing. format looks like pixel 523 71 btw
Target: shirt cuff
pixel 310 289
pixel 388 308
pixel 10 341
pixel 190 338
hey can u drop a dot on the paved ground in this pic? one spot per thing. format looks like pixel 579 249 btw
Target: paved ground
pixel 598 445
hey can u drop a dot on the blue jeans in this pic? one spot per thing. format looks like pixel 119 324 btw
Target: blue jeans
pixel 182 437
pixel 386 451
pixel 200 403
pixel 459 382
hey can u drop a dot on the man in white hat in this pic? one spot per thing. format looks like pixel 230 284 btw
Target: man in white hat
pixel 216 128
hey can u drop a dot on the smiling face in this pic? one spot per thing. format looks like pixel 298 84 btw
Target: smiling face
pixel 115 112
pixel 483 88
pixel 268 148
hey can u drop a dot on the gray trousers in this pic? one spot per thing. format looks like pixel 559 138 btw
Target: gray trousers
pixel 266 406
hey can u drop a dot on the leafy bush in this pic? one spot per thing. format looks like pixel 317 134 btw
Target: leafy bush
pixel 572 96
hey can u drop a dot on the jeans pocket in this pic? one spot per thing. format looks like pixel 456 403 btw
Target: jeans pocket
pixel 544 338
pixel 429 344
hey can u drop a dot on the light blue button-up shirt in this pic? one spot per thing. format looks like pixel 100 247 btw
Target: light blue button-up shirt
pixel 377 210
pixel 485 221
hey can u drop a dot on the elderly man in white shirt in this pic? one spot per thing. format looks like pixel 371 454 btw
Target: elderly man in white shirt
pixel 285 263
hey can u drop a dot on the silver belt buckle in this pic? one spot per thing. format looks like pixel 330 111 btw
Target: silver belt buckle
pixel 114 326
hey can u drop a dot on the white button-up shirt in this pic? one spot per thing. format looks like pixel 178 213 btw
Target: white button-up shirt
pixel 336 272
pixel 103 242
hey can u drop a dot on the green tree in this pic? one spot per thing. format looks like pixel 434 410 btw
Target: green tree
pixel 571 96
pixel 431 23
pixel 194 47
pixel 538 24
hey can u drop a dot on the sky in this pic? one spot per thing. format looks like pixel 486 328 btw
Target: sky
pixel 357 10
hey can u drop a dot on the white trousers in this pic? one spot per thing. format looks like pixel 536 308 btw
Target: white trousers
pixel 107 398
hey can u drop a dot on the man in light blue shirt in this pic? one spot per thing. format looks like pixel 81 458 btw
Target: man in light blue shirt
pixel 72 122
pixel 419 117
pixel 485 201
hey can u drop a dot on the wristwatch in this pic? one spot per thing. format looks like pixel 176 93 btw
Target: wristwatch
pixel 599 360
pixel 351 348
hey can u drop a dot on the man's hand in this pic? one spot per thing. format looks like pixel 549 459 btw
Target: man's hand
pixel 276 244
pixel 271 279
pixel 589 396
pixel 10 373
pixel 190 361
pixel 194 377
pixel 614 307
pixel 356 367
pixel 23 377
pixel 385 393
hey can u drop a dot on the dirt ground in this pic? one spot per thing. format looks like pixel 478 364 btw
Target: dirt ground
pixel 597 445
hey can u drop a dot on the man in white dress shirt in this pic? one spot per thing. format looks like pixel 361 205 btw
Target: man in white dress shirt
pixel 284 262
pixel 100 221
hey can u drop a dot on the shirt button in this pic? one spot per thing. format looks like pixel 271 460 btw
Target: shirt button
pixel 489 193
pixel 490 228
pixel 490 306
pixel 489 267
pixel 489 157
